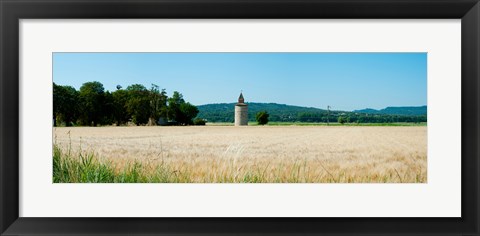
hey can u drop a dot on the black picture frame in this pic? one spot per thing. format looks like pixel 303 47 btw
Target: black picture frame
pixel 12 11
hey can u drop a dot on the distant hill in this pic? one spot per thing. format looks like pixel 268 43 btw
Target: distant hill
pixel 224 112
pixel 407 111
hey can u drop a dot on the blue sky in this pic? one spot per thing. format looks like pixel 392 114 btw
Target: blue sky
pixel 345 81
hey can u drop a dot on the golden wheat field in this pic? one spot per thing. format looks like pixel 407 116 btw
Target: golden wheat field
pixel 269 154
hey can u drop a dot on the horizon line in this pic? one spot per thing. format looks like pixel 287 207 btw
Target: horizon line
pixel 311 106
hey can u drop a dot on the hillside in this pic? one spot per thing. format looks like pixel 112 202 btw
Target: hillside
pixel 415 111
pixel 224 112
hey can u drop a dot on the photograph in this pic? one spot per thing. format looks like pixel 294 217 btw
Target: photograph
pixel 239 117
pixel 219 117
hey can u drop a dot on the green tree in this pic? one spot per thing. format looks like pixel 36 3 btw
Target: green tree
pixel 180 111
pixel 108 107
pixel 65 104
pixel 158 104
pixel 174 102
pixel 262 117
pixel 69 108
pixel 120 113
pixel 341 120
pixel 187 113
pixel 91 98
pixel 138 103
pixel 56 103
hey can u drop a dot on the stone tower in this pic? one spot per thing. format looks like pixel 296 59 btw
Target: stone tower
pixel 241 112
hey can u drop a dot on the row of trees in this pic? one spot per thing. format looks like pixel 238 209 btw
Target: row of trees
pixel 323 117
pixel 224 112
pixel 352 117
pixel 92 106
pixel 262 118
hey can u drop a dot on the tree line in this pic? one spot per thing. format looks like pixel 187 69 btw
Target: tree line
pixel 91 105
pixel 224 112
pixel 352 117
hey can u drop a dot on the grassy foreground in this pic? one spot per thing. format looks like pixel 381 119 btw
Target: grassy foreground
pixel 87 168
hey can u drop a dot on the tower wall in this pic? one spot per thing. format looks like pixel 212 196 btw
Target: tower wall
pixel 241 115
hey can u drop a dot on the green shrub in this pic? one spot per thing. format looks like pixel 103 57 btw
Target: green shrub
pixel 199 121
pixel 262 117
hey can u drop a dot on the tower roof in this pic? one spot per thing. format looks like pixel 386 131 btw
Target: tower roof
pixel 240 98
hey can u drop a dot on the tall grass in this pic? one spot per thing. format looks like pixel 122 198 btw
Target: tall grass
pixel 88 168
